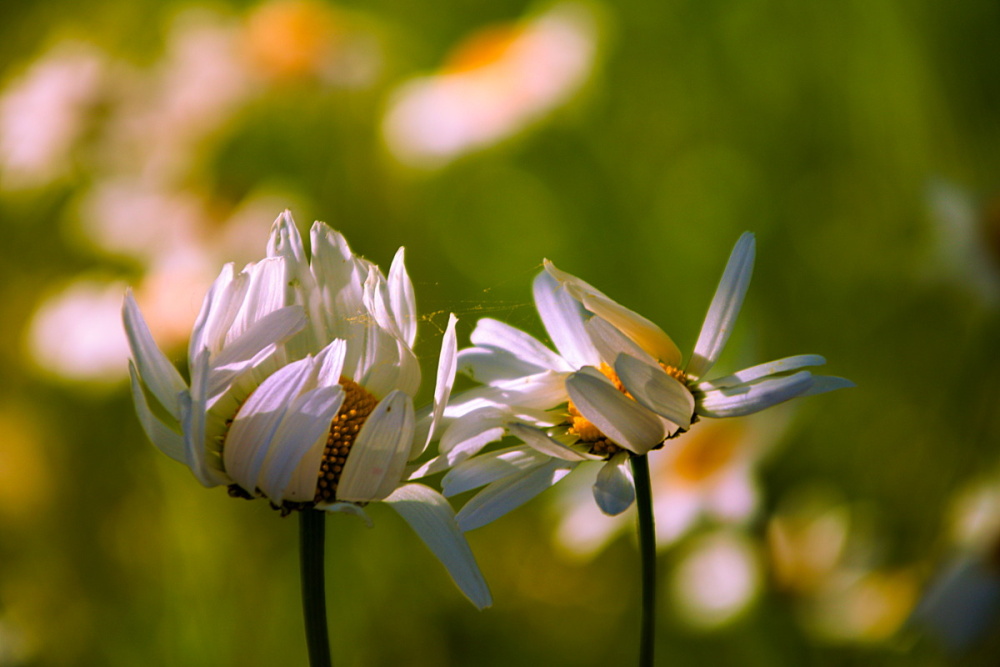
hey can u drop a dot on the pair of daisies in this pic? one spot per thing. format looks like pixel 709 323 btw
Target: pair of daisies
pixel 302 377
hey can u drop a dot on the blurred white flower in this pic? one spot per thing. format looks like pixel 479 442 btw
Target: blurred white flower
pixel 301 391
pixel 617 386
pixel 494 84
pixel 44 111
pixel 76 333
pixel 715 579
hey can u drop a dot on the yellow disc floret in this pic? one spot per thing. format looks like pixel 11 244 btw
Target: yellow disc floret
pixel 344 428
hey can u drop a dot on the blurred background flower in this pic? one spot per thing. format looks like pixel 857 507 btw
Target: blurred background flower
pixel 147 143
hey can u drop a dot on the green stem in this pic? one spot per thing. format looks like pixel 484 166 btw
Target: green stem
pixel 647 552
pixel 312 533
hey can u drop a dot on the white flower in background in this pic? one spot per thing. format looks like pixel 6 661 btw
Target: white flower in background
pixel 617 386
pixel 44 111
pixel 494 84
pixel 302 385
pixel 707 474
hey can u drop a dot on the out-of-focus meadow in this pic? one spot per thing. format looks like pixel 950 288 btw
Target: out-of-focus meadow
pixel 147 143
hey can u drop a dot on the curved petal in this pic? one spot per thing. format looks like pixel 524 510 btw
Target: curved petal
pixel 564 321
pixel 167 440
pixel 618 417
pixel 157 373
pixel 614 490
pixel 490 365
pixel 610 342
pixel 490 333
pixel 218 310
pixel 377 459
pixel 432 518
pixel 346 508
pixel 824 383
pixel 401 299
pixel 540 441
pixel 759 371
pixel 507 494
pixel 746 399
pixel 725 307
pixel 655 390
pixel 489 468
pixel 447 364
pixel 299 282
pixel 644 332
pixel 265 294
pixel 541 391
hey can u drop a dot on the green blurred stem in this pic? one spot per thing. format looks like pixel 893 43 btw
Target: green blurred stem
pixel 647 552
pixel 312 533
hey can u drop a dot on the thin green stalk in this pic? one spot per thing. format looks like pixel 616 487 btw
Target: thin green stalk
pixel 647 552
pixel 312 531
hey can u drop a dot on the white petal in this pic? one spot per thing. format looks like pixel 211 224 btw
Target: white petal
pixel 620 418
pixel 489 365
pixel 432 518
pixel 193 410
pixel 330 363
pixel 167 440
pixel 346 508
pixel 542 391
pixel 156 371
pixel 299 284
pixel 654 389
pixel 488 468
pixel 251 432
pixel 285 240
pixel 763 370
pixel 824 383
pixel 479 428
pixel 339 279
pixel 291 468
pixel 610 342
pixel 725 307
pixel 218 310
pixel 490 333
pixel 402 300
pixel 265 294
pixel 376 461
pixel 614 490
pixel 564 321
pixel 749 398
pixel 447 364
pixel 540 441
pixel 649 336
pixel 507 494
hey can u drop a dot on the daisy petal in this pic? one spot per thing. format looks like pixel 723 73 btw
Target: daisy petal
pixel 564 321
pixel 824 383
pixel 432 518
pixel 294 457
pixel 490 333
pixel 167 440
pixel 489 365
pixel 644 332
pixel 265 294
pixel 610 342
pixel 614 490
pixel 654 389
pixel 447 363
pixel 152 365
pixel 376 461
pixel 746 399
pixel 725 307
pixel 258 341
pixel 489 468
pixel 501 497
pixel 540 440
pixel 218 310
pixel 618 417
pixel 763 370
pixel 346 508
pixel 401 299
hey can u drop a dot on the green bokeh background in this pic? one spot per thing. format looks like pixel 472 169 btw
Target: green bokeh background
pixel 818 126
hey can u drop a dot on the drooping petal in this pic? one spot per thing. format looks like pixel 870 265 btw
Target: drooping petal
pixel 618 417
pixel 492 333
pixel 824 383
pixel 377 459
pixel 725 307
pixel 753 373
pixel 167 440
pixel 346 508
pixel 447 364
pixel 402 300
pixel 488 468
pixel 610 342
pixel 746 399
pixel 156 371
pixel 539 440
pixel 432 518
pixel 654 389
pixel 509 493
pixel 292 465
pixel 541 391
pixel 489 365
pixel 614 490
pixel 564 321
pixel 644 332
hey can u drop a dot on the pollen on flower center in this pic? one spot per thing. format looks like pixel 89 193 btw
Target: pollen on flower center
pixel 344 428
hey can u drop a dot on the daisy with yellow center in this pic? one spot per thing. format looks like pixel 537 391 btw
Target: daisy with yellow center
pixel 617 387
pixel 302 390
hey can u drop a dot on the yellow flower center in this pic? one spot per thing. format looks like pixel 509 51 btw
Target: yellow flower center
pixel 585 430
pixel 344 428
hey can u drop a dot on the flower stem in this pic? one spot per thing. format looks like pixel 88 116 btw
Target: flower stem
pixel 312 531
pixel 647 552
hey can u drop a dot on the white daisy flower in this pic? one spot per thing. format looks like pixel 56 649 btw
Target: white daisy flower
pixel 301 392
pixel 617 386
